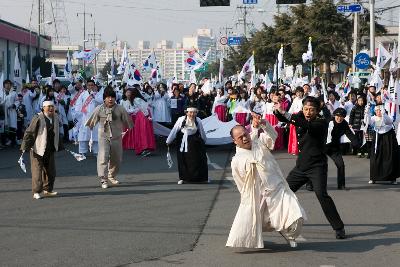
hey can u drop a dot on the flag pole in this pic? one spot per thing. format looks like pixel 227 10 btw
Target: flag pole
pixel 311 63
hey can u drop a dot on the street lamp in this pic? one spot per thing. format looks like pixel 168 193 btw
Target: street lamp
pixel 48 22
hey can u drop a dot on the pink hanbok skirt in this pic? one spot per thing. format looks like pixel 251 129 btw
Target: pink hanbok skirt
pixel 292 144
pixel 128 139
pixel 273 120
pixel 143 134
pixel 220 110
pixel 241 118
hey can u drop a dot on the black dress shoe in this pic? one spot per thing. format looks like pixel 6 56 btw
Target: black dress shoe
pixel 341 234
pixel 341 187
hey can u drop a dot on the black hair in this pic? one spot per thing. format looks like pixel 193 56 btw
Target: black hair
pixel 7 81
pixel 313 101
pixel 109 92
pixel 90 81
pixel 56 81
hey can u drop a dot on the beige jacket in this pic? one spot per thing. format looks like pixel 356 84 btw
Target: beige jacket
pixel 111 121
pixel 35 136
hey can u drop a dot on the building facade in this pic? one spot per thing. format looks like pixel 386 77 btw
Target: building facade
pixel 26 42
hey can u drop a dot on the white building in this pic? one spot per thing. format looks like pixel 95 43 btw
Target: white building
pixel 172 59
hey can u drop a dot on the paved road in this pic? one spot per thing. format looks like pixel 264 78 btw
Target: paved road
pixel 149 220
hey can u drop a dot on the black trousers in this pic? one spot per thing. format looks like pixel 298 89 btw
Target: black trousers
pixel 318 176
pixel 337 158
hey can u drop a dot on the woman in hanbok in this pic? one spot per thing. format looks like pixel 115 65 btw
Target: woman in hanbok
pixel 219 106
pixel 385 158
pixel 144 140
pixel 242 114
pixel 296 106
pixel 161 109
pixel 191 152
pixel 273 120
pixel 129 136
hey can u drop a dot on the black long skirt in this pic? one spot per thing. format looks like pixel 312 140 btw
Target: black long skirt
pixel 385 163
pixel 192 165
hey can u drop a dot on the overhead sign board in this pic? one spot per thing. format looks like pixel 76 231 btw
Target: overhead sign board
pixel 234 40
pixel 353 8
pixel 248 2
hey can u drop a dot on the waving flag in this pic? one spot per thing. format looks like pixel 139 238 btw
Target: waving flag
pixel 87 55
pixel 27 80
pixel 150 62
pixel 267 82
pixel 395 58
pixel 308 56
pixel 17 70
pixel 280 63
pixel 124 61
pixel 68 67
pixel 195 61
pixel 53 72
pixel 382 57
pixel 134 76
pixel 247 67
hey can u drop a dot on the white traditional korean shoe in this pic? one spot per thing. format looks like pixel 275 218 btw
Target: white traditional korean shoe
pixel 104 184
pixel 371 182
pixel 180 182
pixel 36 196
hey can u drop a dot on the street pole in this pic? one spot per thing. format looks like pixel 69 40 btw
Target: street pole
pixel 84 28
pixel 372 27
pixel 38 37
pixel 355 40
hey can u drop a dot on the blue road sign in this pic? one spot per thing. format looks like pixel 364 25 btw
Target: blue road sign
pixel 250 2
pixel 234 40
pixel 362 61
pixel 353 8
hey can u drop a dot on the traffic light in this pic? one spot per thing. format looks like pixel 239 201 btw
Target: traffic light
pixel 215 3
pixel 290 2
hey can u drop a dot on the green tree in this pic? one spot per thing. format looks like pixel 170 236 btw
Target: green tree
pixel 331 34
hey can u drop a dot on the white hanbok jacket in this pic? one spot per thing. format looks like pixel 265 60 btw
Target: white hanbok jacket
pixel 161 110
pixel 85 134
pixel 10 111
pixel 27 99
pixel 266 202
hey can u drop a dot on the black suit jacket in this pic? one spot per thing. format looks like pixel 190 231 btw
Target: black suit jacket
pixel 311 138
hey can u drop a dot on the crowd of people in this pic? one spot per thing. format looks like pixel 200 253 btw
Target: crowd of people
pixel 359 117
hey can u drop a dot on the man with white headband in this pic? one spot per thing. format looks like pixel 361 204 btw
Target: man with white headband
pixel 42 140
pixel 191 152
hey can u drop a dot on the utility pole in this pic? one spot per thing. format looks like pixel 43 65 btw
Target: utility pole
pixel 372 27
pixel 84 27
pixel 93 37
pixel 245 11
pixel 227 31
pixel 355 40
pixel 39 22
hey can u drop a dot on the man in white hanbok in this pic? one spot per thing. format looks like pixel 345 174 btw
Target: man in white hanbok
pixel 267 203
pixel 84 107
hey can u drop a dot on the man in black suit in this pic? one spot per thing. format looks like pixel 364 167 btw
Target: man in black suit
pixel 312 163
